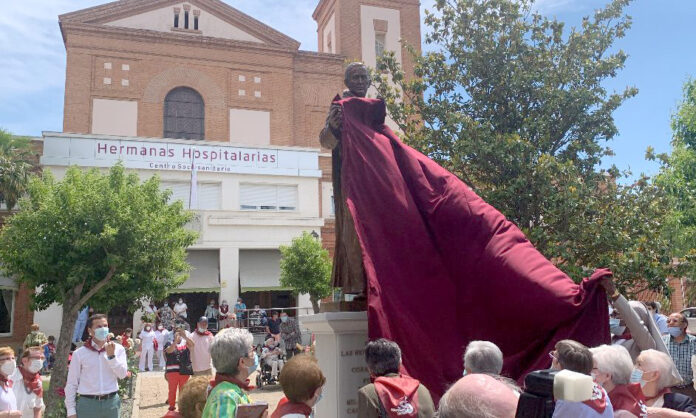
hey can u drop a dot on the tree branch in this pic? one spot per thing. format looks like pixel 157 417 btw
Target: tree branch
pixel 97 287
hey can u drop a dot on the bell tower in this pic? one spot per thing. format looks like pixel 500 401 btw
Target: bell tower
pixel 363 29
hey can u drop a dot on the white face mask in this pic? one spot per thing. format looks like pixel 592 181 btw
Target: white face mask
pixel 35 366
pixel 8 367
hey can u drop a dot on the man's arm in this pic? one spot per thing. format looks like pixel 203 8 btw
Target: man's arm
pixel 368 406
pixel 71 385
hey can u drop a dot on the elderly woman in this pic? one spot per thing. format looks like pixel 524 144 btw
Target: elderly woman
pixel 234 359
pixel 483 357
pixel 658 374
pixel 612 369
pixel 632 326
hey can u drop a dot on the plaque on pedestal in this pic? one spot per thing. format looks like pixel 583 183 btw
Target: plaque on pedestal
pixel 340 350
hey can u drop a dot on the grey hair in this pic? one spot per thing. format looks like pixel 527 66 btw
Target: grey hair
pixel 473 403
pixel 654 360
pixel 230 345
pixel 614 360
pixel 383 357
pixel 483 357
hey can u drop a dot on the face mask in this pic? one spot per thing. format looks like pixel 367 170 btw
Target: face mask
pixel 614 322
pixel 321 395
pixel 35 366
pixel 636 376
pixel 160 328
pixel 618 330
pixel 674 331
pixel 181 300
pixel 253 368
pixel 101 333
pixel 594 376
pixel 464 373
pixel 284 318
pixel 202 330
pixel 8 367
pixel 147 329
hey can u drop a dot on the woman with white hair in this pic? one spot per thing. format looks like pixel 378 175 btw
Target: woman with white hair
pixel 234 359
pixel 658 374
pixel 612 369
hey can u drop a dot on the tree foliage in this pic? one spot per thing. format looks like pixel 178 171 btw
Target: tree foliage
pixel 305 266
pixel 16 164
pixel 678 178
pixel 102 239
pixel 514 104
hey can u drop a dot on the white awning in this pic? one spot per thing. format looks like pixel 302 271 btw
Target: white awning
pixel 7 282
pixel 259 270
pixel 205 271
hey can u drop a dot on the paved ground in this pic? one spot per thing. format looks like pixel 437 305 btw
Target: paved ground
pixel 153 395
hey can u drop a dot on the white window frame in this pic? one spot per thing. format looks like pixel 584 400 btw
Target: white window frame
pixel 12 308
pixel 165 182
pixel 274 209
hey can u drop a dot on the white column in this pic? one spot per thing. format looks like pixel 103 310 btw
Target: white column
pixel 229 274
pixel 340 350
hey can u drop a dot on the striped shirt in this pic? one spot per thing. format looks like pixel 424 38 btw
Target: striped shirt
pixel 681 355
pixel 223 400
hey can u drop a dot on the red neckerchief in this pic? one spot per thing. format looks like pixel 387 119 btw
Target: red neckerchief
pixel 88 345
pixel 203 333
pixel 286 407
pixel 51 348
pixel 32 381
pixel 5 383
pixel 124 340
pixel 224 309
pixel 398 394
pixel 598 401
pixel 629 398
pixel 219 378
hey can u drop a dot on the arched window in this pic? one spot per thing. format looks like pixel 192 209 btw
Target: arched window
pixel 184 114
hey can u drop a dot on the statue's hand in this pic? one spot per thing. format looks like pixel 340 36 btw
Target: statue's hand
pixel 335 119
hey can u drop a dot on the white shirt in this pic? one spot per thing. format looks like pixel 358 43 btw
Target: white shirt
pixel 161 337
pixel 26 402
pixel 150 309
pixel 180 309
pixel 8 401
pixel 147 338
pixel 91 373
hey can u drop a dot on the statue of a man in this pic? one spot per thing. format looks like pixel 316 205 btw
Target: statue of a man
pixel 348 272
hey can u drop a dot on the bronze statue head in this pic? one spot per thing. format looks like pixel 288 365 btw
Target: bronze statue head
pixel 357 79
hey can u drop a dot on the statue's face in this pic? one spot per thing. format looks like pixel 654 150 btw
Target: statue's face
pixel 358 81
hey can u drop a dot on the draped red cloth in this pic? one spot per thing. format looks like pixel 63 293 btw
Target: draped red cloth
pixel 444 268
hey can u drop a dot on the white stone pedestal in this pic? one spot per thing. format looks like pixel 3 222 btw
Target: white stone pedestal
pixel 340 349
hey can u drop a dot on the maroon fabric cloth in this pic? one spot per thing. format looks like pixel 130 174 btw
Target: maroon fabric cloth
pixel 443 267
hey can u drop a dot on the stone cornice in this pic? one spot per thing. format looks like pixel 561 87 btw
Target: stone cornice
pixel 189 39
pixel 124 8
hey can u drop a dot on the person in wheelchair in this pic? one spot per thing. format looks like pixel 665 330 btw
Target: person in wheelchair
pixel 272 356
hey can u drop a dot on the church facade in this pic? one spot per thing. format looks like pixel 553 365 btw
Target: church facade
pixel 171 87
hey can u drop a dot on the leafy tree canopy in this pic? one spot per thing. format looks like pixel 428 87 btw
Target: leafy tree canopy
pixel 305 266
pixel 16 163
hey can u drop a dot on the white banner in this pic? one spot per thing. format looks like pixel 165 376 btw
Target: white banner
pixel 82 150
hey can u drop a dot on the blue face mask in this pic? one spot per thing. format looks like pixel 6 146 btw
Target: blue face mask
pixel 284 318
pixel 253 368
pixel 674 331
pixel 636 376
pixel 101 333
pixel 464 374
pixel 321 395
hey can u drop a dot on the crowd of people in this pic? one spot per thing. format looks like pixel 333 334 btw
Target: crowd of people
pixel 646 370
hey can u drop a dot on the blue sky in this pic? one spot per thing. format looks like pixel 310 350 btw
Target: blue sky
pixel 660 48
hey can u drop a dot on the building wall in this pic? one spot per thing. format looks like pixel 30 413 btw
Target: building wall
pixel 22 319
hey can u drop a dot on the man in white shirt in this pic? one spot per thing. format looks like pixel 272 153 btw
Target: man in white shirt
pixel 94 372
pixel 27 383
pixel 162 337
pixel 147 344
pixel 200 354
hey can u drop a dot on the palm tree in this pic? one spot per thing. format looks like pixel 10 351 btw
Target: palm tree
pixel 16 164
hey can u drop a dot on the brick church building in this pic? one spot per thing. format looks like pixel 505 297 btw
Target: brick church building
pixel 159 84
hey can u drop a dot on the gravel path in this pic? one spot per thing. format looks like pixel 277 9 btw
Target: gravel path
pixel 153 395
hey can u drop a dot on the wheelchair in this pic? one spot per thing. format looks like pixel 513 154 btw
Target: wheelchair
pixel 263 375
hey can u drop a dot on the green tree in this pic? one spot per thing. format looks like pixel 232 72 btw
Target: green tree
pixel 515 105
pixel 678 178
pixel 103 239
pixel 305 266
pixel 16 163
